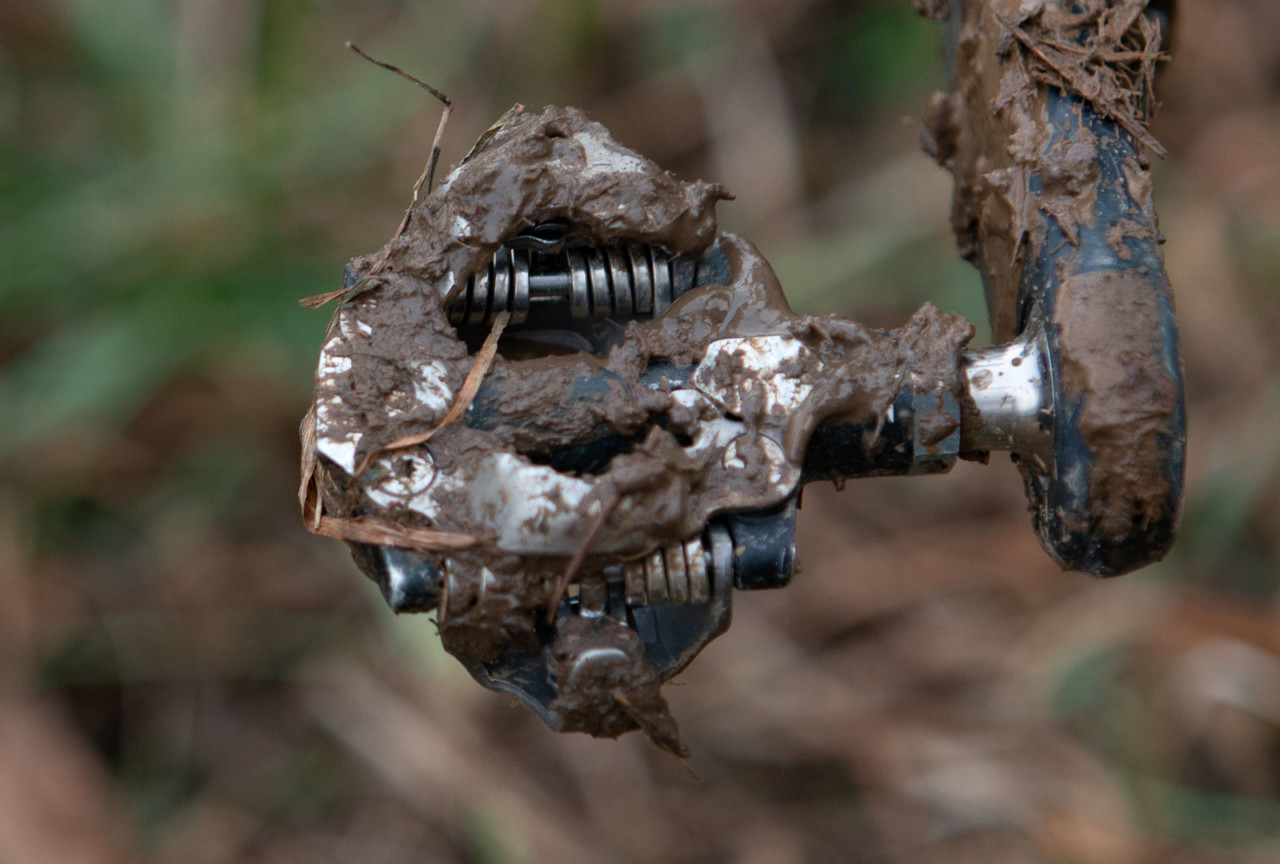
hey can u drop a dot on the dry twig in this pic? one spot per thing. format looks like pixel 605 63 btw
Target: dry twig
pixel 378 533
pixel 425 180
pixel 308 485
pixel 575 563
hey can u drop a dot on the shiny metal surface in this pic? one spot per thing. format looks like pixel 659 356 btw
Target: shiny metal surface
pixel 631 280
pixel 1008 386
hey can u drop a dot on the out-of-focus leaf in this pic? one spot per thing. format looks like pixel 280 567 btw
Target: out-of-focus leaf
pixel 880 57
pixel 96 372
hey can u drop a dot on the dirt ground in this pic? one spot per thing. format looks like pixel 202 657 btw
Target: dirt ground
pixel 187 676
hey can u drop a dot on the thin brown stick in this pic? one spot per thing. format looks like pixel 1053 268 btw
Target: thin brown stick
pixel 575 563
pixel 470 387
pixel 378 533
pixel 1068 48
pixel 1116 56
pixel 318 300
pixel 364 530
pixel 1115 26
pixel 448 103
pixel 308 487
pixel 425 179
pixel 681 755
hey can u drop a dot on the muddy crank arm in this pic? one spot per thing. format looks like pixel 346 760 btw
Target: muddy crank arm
pixel 1080 272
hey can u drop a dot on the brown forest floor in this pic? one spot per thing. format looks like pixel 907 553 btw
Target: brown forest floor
pixel 187 676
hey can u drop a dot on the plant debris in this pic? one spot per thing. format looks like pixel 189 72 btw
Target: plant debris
pixel 1103 51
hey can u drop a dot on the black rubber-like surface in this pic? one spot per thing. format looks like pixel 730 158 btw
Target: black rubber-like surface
pixel 1064 500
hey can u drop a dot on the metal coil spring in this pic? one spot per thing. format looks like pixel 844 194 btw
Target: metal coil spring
pixel 678 573
pixel 632 280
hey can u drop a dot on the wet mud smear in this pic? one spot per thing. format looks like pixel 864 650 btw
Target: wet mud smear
pixel 393 368
pixel 1123 413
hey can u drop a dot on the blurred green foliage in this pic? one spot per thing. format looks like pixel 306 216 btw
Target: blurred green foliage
pixel 882 59
pixel 158 210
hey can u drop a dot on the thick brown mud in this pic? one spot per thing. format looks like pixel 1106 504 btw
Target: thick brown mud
pixel 1124 408
pixel 605 686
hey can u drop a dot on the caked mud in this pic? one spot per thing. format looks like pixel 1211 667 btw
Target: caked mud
pixel 388 423
pixel 611 697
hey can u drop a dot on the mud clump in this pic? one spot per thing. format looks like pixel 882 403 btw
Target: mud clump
pixel 605 685
pixel 864 369
pixel 489 606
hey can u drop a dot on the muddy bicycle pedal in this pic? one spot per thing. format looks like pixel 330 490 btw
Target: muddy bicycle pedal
pixel 565 413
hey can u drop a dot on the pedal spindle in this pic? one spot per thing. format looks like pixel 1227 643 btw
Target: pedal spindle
pixel 593 282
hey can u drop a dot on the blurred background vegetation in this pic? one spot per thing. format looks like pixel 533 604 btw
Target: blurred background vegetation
pixel 187 676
